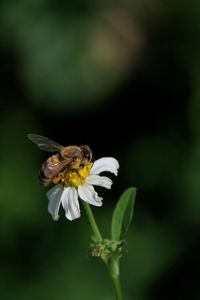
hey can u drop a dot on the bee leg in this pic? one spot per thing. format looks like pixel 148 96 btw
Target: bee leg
pixel 56 180
pixel 75 171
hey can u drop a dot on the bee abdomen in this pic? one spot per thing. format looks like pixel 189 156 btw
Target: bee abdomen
pixel 43 179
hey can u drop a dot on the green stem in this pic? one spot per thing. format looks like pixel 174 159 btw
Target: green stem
pixel 113 264
pixel 113 267
pixel 92 221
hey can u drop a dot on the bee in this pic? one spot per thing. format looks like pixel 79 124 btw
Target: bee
pixel 67 158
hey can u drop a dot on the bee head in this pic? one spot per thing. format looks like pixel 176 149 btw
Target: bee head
pixel 87 154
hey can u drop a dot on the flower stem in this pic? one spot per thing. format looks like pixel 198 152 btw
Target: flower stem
pixel 113 263
pixel 113 267
pixel 92 222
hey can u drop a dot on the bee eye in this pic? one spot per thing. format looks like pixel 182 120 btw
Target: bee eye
pixel 87 155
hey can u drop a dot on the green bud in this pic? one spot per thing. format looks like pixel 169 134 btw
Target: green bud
pixel 107 249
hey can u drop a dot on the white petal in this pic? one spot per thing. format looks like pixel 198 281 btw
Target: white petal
pixel 88 194
pixel 99 180
pixel 70 203
pixel 105 164
pixel 54 196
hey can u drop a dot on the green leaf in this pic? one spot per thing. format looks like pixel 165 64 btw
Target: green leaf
pixel 123 214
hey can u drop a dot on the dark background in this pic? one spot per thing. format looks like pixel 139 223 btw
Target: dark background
pixel 124 78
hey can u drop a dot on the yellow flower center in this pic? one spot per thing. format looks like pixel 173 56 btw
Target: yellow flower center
pixel 73 177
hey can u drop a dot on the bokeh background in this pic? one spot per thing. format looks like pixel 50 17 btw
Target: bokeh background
pixel 123 77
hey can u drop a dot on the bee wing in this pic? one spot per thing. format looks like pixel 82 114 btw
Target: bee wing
pixel 44 143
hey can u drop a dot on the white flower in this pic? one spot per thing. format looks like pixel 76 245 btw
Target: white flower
pixel 80 184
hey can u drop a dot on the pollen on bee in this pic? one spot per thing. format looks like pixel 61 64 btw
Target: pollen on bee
pixel 73 177
pixel 56 180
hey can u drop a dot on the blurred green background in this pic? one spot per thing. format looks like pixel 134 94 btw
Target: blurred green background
pixel 124 78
